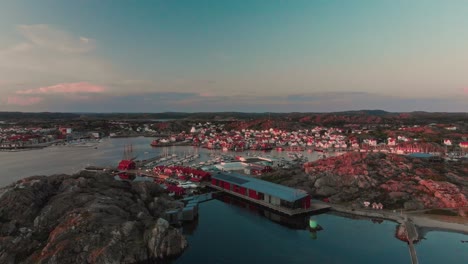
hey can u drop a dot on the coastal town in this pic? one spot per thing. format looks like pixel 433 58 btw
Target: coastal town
pixel 272 154
pixel 231 131
pixel 441 140
pixel 379 171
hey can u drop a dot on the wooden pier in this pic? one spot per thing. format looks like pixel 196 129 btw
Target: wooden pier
pixel 314 208
pixel 144 163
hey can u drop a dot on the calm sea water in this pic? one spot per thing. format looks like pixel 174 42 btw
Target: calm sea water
pixel 71 159
pixel 229 233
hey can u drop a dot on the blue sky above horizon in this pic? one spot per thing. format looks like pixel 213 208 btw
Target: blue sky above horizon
pixel 219 55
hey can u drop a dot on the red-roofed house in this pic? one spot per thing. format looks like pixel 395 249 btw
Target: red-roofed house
pixel 464 144
pixel 176 190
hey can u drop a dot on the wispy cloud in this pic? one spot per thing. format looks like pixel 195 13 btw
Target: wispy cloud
pixel 46 54
pixel 64 88
pixel 23 100
pixel 45 36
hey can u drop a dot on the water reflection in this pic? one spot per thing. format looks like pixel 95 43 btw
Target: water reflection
pixel 293 222
pixel 189 228
pixel 299 222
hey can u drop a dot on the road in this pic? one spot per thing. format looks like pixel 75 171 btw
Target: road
pixel 412 235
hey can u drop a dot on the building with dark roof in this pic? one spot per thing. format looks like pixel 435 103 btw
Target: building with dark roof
pixel 275 196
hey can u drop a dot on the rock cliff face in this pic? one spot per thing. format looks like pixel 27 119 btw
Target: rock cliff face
pixel 394 180
pixel 85 218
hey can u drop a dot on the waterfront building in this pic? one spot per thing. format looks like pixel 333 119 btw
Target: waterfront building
pixel 272 195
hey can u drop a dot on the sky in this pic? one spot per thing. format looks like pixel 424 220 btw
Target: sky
pixel 237 55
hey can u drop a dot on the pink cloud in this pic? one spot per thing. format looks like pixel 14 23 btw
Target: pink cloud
pixel 66 88
pixel 23 101
pixel 79 97
pixel 465 91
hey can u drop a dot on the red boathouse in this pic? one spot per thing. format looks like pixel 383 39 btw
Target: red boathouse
pixel 125 165
pixel 278 197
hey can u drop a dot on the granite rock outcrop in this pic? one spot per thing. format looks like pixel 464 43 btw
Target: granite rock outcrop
pixel 85 218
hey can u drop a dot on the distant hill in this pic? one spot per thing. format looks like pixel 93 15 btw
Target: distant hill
pixel 367 112
pixel 265 119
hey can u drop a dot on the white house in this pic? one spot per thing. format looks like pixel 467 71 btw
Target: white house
pixel 371 142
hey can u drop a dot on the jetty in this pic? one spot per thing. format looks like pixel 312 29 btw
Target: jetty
pixel 410 228
pixel 412 235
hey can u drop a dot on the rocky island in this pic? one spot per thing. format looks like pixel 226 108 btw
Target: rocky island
pixel 86 218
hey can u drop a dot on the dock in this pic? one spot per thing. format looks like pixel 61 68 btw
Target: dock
pixel 314 207
pixel 146 162
pixel 201 198
pixel 189 210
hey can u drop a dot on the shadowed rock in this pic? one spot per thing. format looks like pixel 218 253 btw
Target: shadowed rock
pixel 85 218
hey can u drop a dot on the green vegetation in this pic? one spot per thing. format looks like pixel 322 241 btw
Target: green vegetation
pixel 275 178
pixel 441 212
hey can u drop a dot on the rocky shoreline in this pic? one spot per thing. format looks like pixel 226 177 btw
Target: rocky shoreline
pixel 424 223
pixel 86 218
pixel 406 187
pixel 396 181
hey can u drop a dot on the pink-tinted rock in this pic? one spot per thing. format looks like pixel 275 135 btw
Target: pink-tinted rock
pixel 397 177
pixel 400 233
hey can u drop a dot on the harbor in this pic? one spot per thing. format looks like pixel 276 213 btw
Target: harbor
pixel 251 220
pixel 272 197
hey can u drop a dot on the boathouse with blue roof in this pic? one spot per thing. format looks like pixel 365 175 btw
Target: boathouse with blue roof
pixel 275 196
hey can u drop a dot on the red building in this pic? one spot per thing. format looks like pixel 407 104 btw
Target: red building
pixel 175 190
pixel 126 165
pixel 266 192
pixel 184 173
